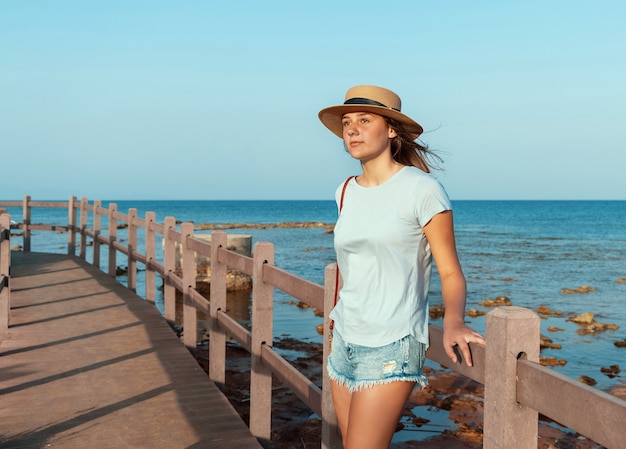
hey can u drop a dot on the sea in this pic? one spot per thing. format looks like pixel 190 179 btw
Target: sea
pixel 526 251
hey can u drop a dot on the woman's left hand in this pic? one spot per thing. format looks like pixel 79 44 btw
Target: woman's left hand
pixel 460 336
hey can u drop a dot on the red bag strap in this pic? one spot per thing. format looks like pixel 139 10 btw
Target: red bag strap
pixel 343 193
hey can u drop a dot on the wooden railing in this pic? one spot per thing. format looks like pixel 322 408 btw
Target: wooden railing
pixel 5 271
pixel 517 387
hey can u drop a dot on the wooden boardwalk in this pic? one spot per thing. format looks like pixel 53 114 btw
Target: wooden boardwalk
pixel 86 363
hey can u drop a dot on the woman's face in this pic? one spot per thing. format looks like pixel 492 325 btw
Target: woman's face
pixel 366 135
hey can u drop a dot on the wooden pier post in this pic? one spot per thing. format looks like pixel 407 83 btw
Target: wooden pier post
pixel 169 267
pixel 150 236
pixel 262 332
pixel 5 267
pixel 190 319
pixel 512 333
pixel 71 226
pixel 218 295
pixel 132 248
pixel 331 437
pixel 112 238
pixel 26 218
pixel 97 229
pixel 84 202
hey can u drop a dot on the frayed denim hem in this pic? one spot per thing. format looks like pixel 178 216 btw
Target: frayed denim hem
pixel 358 385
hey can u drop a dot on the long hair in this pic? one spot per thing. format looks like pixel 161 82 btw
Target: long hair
pixel 407 151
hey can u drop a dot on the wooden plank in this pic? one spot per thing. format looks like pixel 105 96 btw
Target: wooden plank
pixel 306 291
pixel 235 260
pixel 241 335
pixel 562 399
pixel 298 383
pixel 99 367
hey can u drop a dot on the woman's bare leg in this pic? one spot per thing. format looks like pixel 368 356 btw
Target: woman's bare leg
pixel 341 401
pixel 368 418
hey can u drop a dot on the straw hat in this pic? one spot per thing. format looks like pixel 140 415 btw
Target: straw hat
pixel 368 99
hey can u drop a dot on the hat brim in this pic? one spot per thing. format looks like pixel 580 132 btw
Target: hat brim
pixel 331 117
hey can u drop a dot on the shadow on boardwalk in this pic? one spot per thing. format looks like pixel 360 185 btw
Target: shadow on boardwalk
pixel 86 363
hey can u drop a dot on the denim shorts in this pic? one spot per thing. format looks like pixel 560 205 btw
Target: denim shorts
pixel 358 367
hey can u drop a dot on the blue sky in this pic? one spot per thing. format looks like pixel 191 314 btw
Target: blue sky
pixel 219 100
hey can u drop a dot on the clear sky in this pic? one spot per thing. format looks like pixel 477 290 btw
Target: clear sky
pixel 199 99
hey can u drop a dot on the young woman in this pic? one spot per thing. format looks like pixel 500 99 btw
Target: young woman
pixel 394 217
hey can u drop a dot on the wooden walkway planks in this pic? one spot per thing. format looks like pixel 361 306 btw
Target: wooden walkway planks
pixel 86 363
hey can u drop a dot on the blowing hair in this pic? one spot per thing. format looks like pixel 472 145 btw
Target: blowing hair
pixel 407 151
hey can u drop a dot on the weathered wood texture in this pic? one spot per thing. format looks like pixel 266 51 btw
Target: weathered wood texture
pixel 86 363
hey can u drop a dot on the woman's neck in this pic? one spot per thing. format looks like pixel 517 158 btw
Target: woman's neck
pixel 376 172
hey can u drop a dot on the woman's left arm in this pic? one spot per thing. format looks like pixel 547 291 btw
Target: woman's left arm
pixel 440 234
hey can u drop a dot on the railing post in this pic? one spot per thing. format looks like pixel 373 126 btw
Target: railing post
pixel 5 272
pixel 132 248
pixel 331 438
pixel 26 217
pixel 218 295
pixel 512 333
pixel 83 228
pixel 150 256
pixel 169 267
pixel 190 319
pixel 71 226
pixel 262 331
pixel 112 238
pixel 97 229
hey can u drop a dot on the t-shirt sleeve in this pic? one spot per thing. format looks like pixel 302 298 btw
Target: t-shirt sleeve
pixel 431 199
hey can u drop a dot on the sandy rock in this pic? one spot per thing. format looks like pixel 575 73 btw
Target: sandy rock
pixel 555 329
pixel 289 224
pixel 474 313
pixel 545 310
pixel 583 318
pixel 496 302
pixel 581 289
pixel 621 280
pixel 301 305
pixel 612 371
pixel 620 344
pixel 589 325
pixel 546 343
pixel 436 312
pixel 587 380
pixel 552 361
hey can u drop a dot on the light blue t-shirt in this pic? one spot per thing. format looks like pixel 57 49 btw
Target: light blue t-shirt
pixel 384 258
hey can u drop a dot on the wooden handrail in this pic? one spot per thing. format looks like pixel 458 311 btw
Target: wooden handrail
pixel 603 413
pixel 306 291
pixel 517 388
pixel 234 260
pixel 302 387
